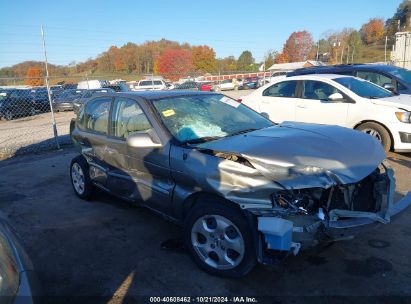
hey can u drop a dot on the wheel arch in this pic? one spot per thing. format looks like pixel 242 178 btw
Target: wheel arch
pixel 202 197
pixel 378 123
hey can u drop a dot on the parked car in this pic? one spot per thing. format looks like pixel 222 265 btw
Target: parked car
pixel 65 101
pixel 92 84
pixel 228 84
pixel 251 83
pixel 390 77
pixel 152 85
pixel 338 100
pixel 18 282
pixel 86 94
pixel 188 85
pixel 119 87
pixel 40 98
pixel 15 103
pixel 206 86
pixel 243 188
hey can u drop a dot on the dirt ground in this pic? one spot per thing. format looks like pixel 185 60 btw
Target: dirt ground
pixel 108 247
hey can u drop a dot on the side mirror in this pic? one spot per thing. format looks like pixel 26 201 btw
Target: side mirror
pixel 389 87
pixel 142 140
pixel 336 97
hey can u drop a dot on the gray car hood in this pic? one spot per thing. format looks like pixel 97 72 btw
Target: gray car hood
pixel 293 153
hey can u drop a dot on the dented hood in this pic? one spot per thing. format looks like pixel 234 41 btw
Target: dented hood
pixel 292 152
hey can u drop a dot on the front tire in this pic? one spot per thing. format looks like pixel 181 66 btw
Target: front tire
pixel 219 239
pixel 378 132
pixel 80 178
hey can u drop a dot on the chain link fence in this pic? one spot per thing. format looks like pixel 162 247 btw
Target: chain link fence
pixel 26 121
pixel 31 122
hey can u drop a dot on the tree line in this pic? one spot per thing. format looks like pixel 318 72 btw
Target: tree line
pixel 174 60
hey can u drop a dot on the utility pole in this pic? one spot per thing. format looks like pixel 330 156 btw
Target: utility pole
pixel 385 49
pixel 48 90
pixel 318 49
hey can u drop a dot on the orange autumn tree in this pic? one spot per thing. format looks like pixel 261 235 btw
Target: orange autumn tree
pixel 175 63
pixel 204 58
pixel 298 46
pixel 281 58
pixel 372 31
pixel 34 77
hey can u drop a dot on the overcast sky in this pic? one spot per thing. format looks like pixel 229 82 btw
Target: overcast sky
pixel 79 29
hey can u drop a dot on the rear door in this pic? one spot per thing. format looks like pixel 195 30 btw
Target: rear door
pixel 92 136
pixel 314 106
pixel 278 101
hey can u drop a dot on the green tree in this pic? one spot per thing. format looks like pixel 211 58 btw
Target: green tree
pixel 245 62
pixel 355 46
pixel 269 58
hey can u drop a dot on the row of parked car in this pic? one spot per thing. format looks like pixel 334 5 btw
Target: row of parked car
pixel 16 102
pixel 209 86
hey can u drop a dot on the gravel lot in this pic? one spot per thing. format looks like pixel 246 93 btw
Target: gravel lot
pixel 107 247
pixel 33 133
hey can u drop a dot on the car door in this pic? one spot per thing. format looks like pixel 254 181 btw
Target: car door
pixel 315 107
pixel 91 133
pixel 137 173
pixel 278 101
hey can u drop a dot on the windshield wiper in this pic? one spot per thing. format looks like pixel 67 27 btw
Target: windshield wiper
pixel 201 140
pixel 243 131
pixel 373 97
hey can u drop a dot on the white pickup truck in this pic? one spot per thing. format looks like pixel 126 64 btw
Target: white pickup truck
pixel 150 85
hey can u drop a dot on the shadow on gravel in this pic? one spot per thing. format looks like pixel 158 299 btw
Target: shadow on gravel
pixel 401 158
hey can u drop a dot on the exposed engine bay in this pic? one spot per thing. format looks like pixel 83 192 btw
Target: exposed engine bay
pixel 366 195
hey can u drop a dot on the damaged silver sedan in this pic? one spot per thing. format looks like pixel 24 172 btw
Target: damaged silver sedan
pixel 243 188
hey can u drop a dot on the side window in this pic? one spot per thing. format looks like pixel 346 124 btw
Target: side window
pixel 128 118
pixel 281 89
pixel 317 90
pixel 96 114
pixel 400 86
pixel 373 77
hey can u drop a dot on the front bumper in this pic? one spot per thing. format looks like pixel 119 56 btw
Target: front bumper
pixel 401 134
pixel 291 234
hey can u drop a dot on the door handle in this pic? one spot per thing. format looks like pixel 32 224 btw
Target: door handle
pixel 301 106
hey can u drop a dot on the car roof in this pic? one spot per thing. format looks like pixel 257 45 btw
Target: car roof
pixel 153 95
pixel 342 68
pixel 315 77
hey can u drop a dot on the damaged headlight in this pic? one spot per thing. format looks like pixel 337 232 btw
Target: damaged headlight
pixel 298 201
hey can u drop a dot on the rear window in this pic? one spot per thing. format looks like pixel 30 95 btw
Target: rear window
pixel 363 88
pixel 149 83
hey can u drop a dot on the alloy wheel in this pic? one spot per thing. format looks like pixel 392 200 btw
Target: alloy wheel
pixel 77 177
pixel 218 242
pixel 373 133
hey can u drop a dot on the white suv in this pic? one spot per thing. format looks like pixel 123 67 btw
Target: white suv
pixel 148 84
pixel 338 100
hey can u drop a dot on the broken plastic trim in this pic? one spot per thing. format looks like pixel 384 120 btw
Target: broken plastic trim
pixel 359 218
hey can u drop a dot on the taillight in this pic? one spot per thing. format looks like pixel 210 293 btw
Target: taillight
pixel 239 100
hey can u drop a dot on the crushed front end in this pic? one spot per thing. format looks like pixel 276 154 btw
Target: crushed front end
pixel 305 217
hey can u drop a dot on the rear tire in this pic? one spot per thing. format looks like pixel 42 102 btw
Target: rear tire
pixel 80 178
pixel 378 132
pixel 219 239
pixel 8 115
